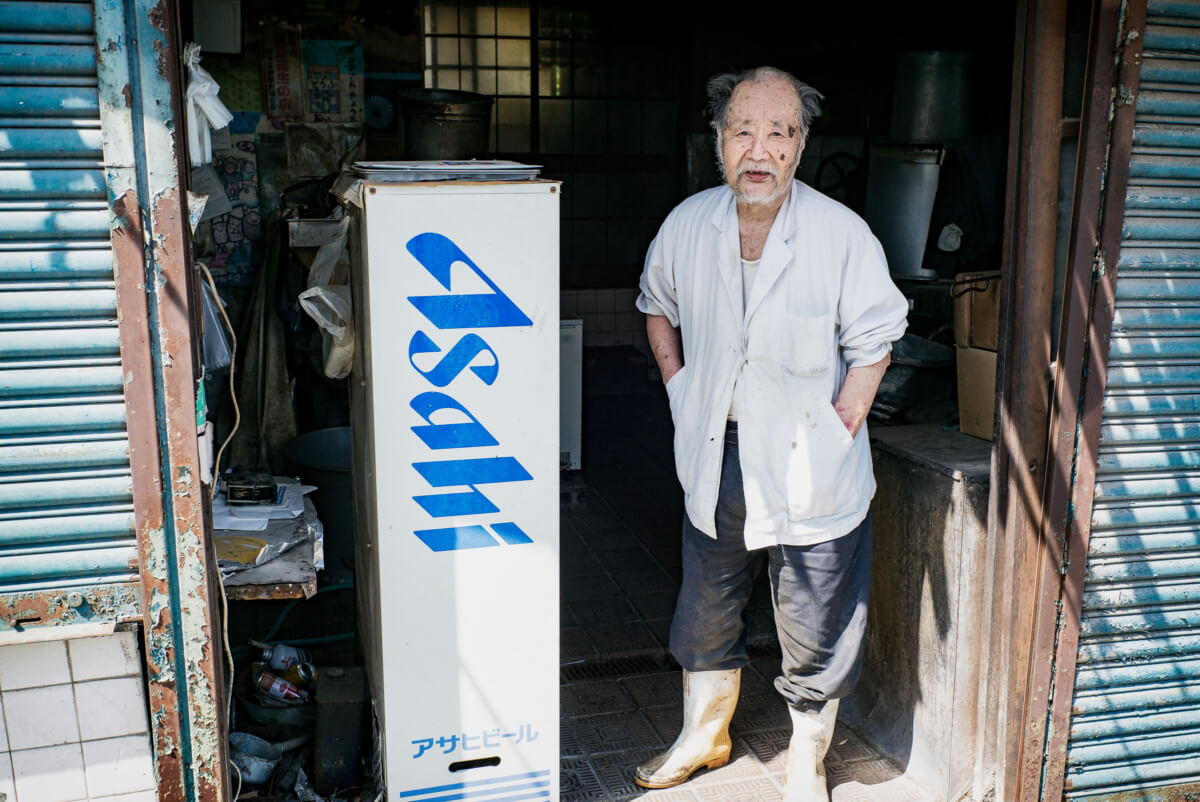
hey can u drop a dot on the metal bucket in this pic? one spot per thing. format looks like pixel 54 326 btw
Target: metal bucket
pixel 255 758
pixel 901 188
pixel 445 125
pixel 933 98
pixel 323 459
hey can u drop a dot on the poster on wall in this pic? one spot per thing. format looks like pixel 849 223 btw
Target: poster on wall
pixel 333 80
pixel 236 234
pixel 282 73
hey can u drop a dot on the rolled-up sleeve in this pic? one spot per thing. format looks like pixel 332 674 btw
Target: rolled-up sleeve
pixel 872 313
pixel 657 284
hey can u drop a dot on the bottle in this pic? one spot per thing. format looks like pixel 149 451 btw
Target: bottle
pixel 282 657
pixel 302 675
pixel 280 689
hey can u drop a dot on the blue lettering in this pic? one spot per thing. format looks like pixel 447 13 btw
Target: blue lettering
pixel 453 538
pixel 437 254
pixel 468 473
pixel 448 435
pixel 511 534
pixel 447 369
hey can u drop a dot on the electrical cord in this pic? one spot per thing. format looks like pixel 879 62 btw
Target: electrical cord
pixel 237 413
pixel 237 419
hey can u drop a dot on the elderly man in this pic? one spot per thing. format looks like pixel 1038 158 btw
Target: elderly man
pixel 771 316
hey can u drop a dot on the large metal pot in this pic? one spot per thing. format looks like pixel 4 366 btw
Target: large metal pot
pixel 933 98
pixel 901 186
pixel 444 124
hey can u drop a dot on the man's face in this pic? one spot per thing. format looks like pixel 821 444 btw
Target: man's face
pixel 761 144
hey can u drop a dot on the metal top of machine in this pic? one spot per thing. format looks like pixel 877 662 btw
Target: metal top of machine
pixel 468 170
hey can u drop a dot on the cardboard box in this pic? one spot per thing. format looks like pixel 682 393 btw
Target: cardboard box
pixel 977 309
pixel 976 391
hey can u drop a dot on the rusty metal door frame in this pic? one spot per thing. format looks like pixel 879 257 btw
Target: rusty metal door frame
pixel 1105 145
pixel 144 154
pixel 1019 462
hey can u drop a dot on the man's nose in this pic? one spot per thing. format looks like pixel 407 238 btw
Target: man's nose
pixel 758 148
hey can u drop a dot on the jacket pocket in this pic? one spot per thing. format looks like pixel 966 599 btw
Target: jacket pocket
pixel 810 344
pixel 674 387
pixel 685 426
pixel 817 484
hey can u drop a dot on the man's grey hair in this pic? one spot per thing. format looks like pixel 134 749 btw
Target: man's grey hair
pixel 720 91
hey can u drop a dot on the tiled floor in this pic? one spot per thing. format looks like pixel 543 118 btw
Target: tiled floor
pixel 609 726
pixel 621 697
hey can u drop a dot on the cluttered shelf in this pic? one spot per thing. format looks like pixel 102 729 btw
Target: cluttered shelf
pixel 270 548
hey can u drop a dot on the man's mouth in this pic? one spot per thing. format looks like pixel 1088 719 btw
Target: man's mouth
pixel 757 177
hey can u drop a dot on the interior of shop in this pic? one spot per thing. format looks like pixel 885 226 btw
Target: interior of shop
pixel 913 135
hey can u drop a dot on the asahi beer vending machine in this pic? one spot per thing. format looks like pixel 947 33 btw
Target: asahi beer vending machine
pixel 456 463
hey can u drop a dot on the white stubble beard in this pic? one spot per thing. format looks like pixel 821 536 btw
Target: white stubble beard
pixel 764 167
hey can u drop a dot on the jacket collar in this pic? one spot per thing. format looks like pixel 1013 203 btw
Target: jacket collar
pixel 725 214
pixel 775 259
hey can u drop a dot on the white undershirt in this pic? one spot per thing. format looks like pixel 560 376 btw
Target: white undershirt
pixel 749 271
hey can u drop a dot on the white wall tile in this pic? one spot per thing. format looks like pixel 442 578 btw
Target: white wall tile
pixel 114 655
pixel 138 796
pixel 40 717
pixel 8 789
pixel 32 665
pixel 111 707
pixel 118 765
pixel 3 729
pixel 50 774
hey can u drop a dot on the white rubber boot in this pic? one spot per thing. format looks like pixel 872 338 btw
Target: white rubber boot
pixel 812 732
pixel 709 698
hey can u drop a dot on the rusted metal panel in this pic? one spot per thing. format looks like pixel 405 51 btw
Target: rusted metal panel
pixel 1125 717
pixel 139 97
pixel 119 603
pixel 1187 792
pixel 1114 59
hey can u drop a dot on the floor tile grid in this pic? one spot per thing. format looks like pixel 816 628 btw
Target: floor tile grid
pixel 658 697
pixel 615 743
pixel 605 616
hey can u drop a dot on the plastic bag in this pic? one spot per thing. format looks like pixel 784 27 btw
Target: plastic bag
pixel 331 308
pixel 217 351
pixel 330 305
pixel 329 256
pixel 202 110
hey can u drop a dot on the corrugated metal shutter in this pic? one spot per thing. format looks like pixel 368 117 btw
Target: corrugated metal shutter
pixel 66 514
pixel 1136 706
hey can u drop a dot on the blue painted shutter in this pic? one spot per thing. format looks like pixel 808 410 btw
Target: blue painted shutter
pixel 66 513
pixel 1136 705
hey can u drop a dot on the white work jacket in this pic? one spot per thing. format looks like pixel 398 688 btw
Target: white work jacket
pixel 822 303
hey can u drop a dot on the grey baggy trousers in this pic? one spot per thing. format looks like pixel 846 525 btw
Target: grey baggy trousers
pixel 819 594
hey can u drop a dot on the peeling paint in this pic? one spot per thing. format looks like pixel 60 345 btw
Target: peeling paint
pixel 157 16
pixel 137 92
pixel 116 602
pixel 183 479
